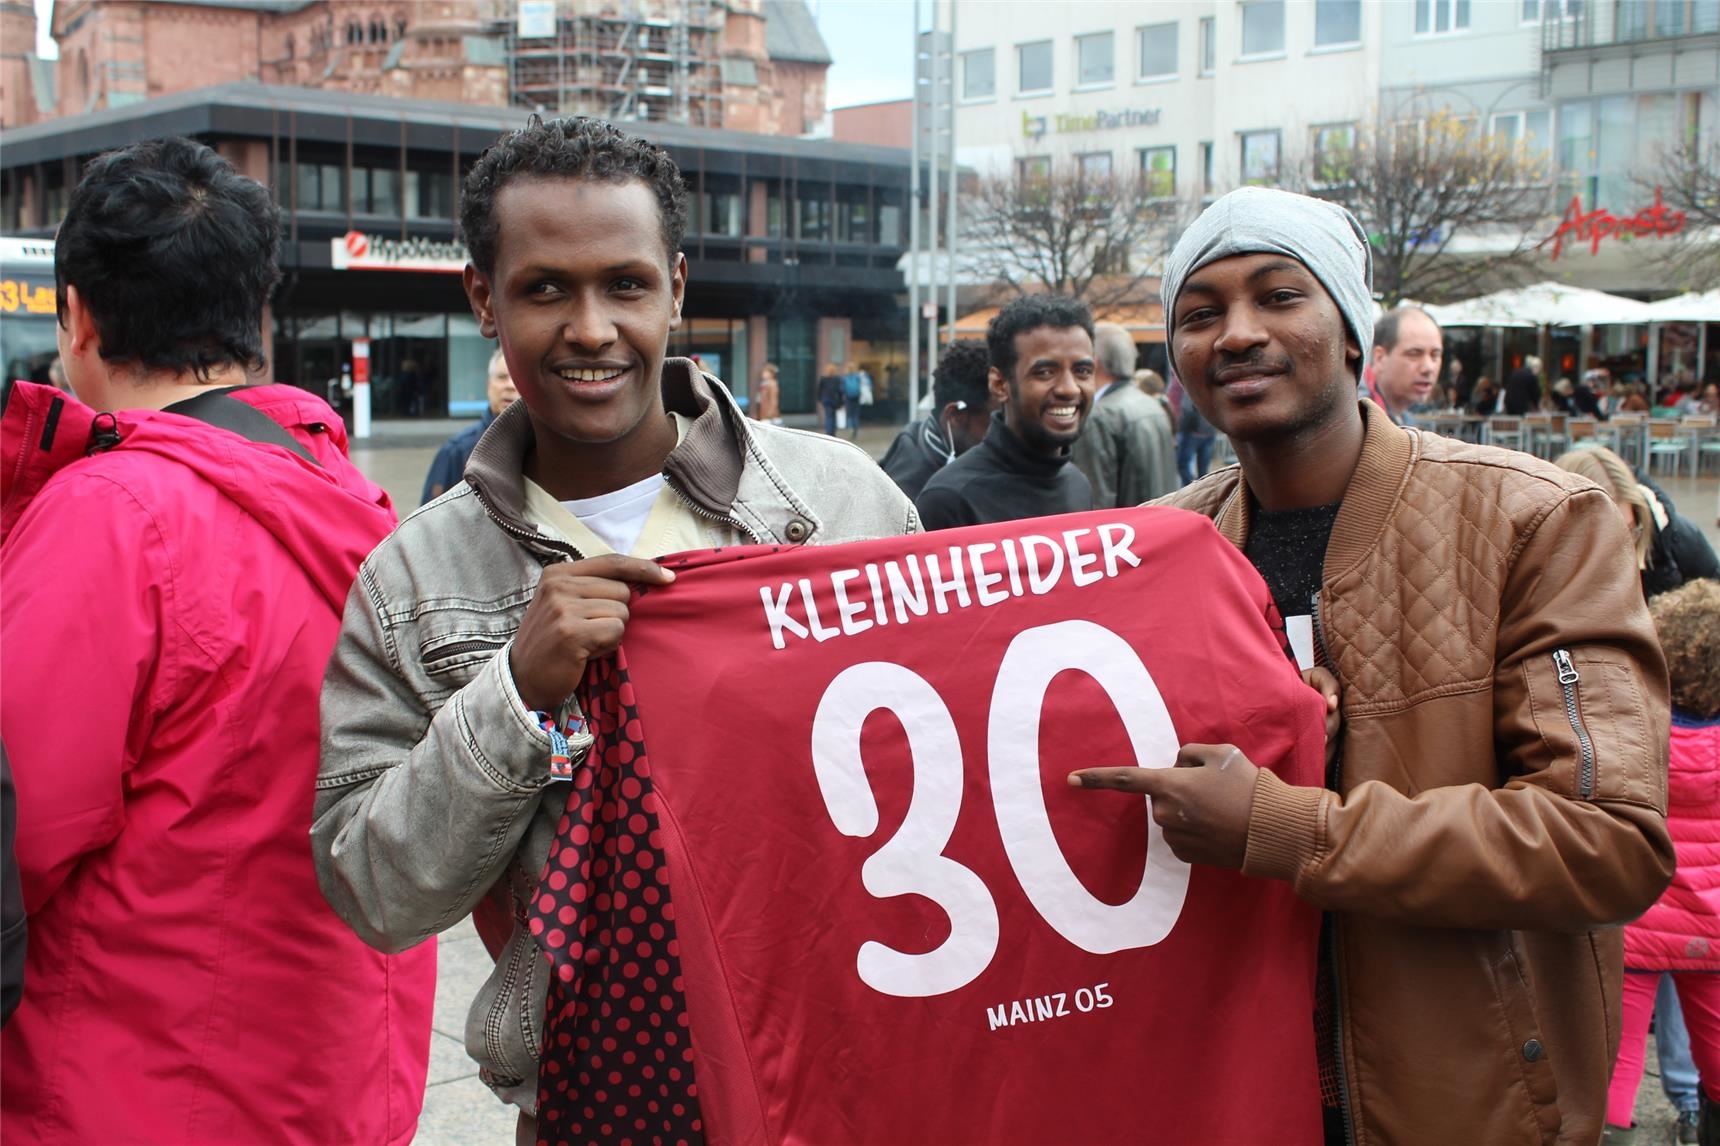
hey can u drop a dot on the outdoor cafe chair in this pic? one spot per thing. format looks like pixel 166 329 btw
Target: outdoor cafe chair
pixel 1508 431
pixel 1669 438
pixel 1584 432
pixel 1707 439
pixel 1546 434
pixel 1630 430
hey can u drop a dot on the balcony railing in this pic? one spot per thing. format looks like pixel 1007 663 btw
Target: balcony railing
pixel 1600 23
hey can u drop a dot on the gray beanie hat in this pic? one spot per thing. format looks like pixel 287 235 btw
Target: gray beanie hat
pixel 1322 236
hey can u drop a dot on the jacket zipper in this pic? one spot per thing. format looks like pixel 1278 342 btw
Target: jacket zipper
pixel 458 648
pixel 1323 656
pixel 1568 679
pixel 701 511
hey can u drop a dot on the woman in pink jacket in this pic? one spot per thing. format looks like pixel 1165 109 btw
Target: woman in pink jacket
pixel 1681 933
pixel 175 552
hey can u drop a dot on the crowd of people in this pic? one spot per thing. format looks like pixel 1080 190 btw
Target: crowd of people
pixel 303 739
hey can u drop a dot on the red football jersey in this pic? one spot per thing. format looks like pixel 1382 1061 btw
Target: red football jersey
pixel 897 922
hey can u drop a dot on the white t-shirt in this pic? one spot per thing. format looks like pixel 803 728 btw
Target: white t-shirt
pixel 645 519
pixel 618 517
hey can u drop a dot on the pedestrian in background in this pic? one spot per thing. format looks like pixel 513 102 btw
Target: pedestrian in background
pixel 1680 934
pixel 449 465
pixel 171 600
pixel 1126 447
pixel 767 396
pixel 1669 549
pixel 1042 375
pixel 1195 437
pixel 962 403
pixel 1523 388
pixel 832 400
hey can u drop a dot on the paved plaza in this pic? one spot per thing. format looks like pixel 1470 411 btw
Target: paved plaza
pixel 458 1109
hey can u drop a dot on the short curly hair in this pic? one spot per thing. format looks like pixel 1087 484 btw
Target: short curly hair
pixel 962 375
pixel 1030 312
pixel 575 147
pixel 1688 619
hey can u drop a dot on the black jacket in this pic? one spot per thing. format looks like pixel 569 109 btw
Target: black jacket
pixel 1522 393
pixel 918 452
pixel 1002 480
pixel 1678 552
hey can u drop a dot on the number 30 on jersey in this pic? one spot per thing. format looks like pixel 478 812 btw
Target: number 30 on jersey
pixel 912 862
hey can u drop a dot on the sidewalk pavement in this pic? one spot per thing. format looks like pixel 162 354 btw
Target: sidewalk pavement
pixel 458 1109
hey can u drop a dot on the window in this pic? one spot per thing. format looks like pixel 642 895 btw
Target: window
pixel 320 187
pixel 812 213
pixel 1033 169
pixel 1534 11
pixel 723 212
pixel 853 214
pixel 1334 144
pixel 1158 51
pixel 1534 129
pixel 1662 19
pixel 1206 184
pixel 1262 27
pixel 1093 60
pixel 429 195
pixel 1259 158
pixel 889 218
pixel 1033 67
pixel 979 74
pixel 1337 22
pixel 1159 172
pixel 1094 165
pixel 1208 45
pixel 1435 17
pixel 375 191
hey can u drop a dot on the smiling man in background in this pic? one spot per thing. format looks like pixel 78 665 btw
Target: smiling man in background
pixel 472 625
pixel 1043 373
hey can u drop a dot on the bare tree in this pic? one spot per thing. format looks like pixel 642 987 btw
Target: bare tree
pixel 1088 235
pixel 1418 187
pixel 1685 183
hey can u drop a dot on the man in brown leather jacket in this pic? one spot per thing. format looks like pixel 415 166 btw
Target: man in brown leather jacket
pixel 1496 793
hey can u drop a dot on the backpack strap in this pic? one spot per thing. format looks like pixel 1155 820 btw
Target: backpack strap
pixel 220 408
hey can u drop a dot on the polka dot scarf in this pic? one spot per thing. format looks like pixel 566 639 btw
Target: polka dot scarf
pixel 617 1064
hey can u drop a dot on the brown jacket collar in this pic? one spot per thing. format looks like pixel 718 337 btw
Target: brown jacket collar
pixel 1378 480
pixel 705 467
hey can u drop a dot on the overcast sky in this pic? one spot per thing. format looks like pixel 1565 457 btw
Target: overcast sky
pixel 872 45
pixel 871 42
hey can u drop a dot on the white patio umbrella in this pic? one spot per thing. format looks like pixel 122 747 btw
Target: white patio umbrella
pixel 1543 304
pixel 1687 308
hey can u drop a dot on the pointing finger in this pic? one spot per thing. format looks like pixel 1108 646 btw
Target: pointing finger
pixel 1149 781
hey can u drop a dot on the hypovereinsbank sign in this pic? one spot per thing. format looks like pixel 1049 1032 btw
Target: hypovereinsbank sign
pixel 357 251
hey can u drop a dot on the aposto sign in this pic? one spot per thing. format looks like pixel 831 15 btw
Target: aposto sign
pixel 1037 126
pixel 1593 227
pixel 357 251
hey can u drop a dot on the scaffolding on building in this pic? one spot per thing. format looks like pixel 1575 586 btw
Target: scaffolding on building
pixel 654 60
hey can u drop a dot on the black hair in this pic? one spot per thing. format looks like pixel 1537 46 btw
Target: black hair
pixel 1386 325
pixel 961 375
pixel 575 147
pixel 175 255
pixel 1030 312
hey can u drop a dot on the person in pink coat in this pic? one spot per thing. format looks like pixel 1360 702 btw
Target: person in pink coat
pixel 176 549
pixel 1680 934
